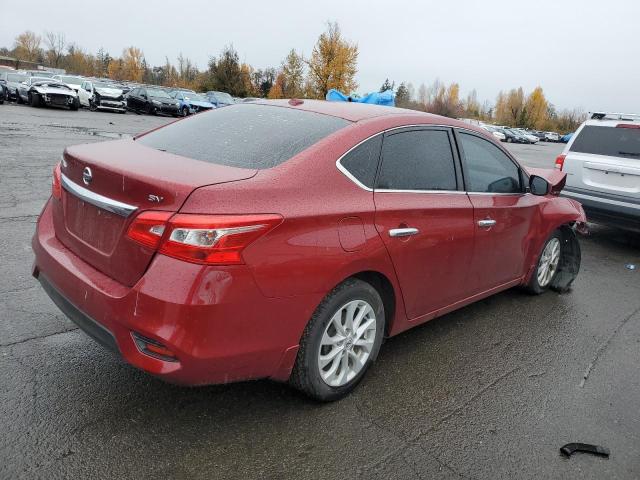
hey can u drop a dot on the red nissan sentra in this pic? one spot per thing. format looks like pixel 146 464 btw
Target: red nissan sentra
pixel 285 240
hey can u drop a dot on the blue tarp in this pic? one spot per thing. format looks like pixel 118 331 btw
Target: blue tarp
pixel 386 98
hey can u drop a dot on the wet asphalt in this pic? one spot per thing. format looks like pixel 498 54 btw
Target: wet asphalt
pixel 491 391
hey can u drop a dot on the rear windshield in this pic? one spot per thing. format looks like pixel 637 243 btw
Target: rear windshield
pixel 611 141
pixel 244 135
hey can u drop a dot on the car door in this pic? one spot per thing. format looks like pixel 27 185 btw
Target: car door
pixel 424 217
pixel 502 211
pixel 84 93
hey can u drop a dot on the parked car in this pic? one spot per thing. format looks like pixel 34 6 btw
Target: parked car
pixel 551 137
pixel 99 95
pixel 23 88
pixel 190 102
pixel 285 240
pixel 152 101
pixel 12 81
pixel 495 132
pixel 52 93
pixel 219 99
pixel 70 81
pixel 529 136
pixel 4 93
pixel 513 136
pixel 540 135
pixel 566 138
pixel 602 163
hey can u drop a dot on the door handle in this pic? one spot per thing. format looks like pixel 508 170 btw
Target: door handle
pixel 403 232
pixel 488 223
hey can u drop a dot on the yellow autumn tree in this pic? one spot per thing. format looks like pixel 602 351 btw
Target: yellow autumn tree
pixel 510 108
pixel 132 68
pixel 536 109
pixel 278 87
pixel 333 63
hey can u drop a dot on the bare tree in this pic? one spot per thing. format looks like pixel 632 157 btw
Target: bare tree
pixel 56 44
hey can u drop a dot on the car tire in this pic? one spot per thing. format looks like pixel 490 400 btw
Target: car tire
pixel 184 112
pixel 19 98
pixel 34 100
pixel 149 110
pixel 341 373
pixel 75 105
pixel 92 105
pixel 509 140
pixel 549 261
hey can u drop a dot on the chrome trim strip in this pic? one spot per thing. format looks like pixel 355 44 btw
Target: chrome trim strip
pixel 100 201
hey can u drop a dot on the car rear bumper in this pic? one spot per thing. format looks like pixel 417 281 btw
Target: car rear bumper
pixel 214 319
pixel 608 209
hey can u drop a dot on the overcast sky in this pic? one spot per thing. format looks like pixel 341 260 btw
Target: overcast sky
pixel 584 53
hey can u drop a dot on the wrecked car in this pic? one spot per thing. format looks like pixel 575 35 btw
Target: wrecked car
pixel 97 95
pixel 286 239
pixel 52 93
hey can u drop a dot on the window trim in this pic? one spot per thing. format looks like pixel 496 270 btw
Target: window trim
pixel 457 159
pixel 522 176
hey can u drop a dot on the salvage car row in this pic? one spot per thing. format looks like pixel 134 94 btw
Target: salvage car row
pixel 41 88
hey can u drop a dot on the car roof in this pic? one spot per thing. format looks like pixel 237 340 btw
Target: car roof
pixel 355 112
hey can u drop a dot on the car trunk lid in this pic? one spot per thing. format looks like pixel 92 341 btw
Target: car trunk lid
pixel 105 185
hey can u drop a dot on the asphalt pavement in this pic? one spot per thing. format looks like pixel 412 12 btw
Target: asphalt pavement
pixel 491 391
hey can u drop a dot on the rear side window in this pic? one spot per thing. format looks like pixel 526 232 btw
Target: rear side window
pixel 362 161
pixel 244 135
pixel 488 169
pixel 417 160
pixel 612 141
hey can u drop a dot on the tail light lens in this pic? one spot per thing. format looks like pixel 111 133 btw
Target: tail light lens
pixel 204 239
pixel 56 185
pixel 148 228
pixel 560 161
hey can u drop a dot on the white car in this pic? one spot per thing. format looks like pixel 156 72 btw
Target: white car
pixel 70 81
pixel 602 162
pixel 50 92
pixel 495 132
pixel 95 94
pixel 551 137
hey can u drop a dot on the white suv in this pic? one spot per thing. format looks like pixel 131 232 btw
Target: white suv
pixel 602 162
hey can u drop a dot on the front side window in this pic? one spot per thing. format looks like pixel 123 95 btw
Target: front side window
pixel 417 160
pixel 487 169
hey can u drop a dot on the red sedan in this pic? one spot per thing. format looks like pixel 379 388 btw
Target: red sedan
pixel 285 240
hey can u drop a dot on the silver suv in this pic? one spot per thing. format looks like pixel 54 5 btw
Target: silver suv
pixel 602 162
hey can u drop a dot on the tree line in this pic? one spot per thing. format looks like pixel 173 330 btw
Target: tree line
pixel 332 64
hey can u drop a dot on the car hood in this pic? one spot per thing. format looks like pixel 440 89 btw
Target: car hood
pixel 47 90
pixel 201 104
pixel 556 178
pixel 109 92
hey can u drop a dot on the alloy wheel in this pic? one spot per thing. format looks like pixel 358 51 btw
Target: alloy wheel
pixel 549 262
pixel 347 343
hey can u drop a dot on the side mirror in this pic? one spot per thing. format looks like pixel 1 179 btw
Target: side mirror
pixel 143 95
pixel 538 185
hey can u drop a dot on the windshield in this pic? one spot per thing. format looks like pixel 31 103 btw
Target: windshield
pixel 16 77
pixel 157 93
pixel 33 80
pixel 71 80
pixel 618 141
pixel 223 97
pixel 245 135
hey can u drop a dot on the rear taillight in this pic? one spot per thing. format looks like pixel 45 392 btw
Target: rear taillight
pixel 56 185
pixel 205 239
pixel 148 228
pixel 560 161
pixel 628 125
